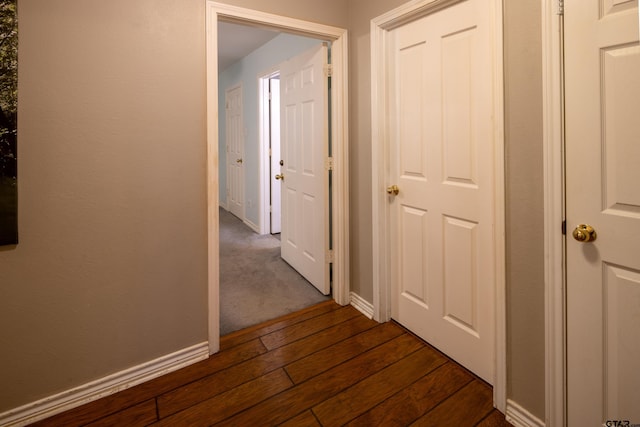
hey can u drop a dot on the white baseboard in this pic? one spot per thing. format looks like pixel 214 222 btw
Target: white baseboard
pixel 252 226
pixel 520 417
pixel 363 306
pixel 103 387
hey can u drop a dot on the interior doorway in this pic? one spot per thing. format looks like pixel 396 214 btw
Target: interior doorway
pixel 339 203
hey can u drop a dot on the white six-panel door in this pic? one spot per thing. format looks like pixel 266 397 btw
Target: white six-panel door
pixel 442 160
pixel 235 152
pixel 602 84
pixel 304 150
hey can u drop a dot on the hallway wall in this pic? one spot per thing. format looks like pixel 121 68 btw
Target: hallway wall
pixel 111 269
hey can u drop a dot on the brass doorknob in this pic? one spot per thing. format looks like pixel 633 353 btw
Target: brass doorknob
pixel 239 161
pixel 393 190
pixel 280 176
pixel 584 233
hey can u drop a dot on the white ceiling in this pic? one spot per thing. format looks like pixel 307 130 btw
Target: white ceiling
pixel 237 41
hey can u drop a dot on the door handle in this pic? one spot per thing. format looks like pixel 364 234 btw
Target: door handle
pixel 280 176
pixel 393 190
pixel 584 233
pixel 239 161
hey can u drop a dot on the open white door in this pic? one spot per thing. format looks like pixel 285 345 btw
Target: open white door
pixel 602 89
pixel 235 152
pixel 275 157
pixel 442 183
pixel 304 175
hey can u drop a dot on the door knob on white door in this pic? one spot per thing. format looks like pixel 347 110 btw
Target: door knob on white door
pixel 280 176
pixel 393 190
pixel 584 233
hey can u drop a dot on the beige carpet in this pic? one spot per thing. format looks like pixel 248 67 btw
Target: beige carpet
pixel 255 283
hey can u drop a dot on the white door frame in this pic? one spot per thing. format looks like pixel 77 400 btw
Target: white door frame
pixel 380 28
pixel 554 214
pixel 264 129
pixel 339 139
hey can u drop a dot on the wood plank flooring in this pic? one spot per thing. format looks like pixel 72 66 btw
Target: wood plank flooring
pixel 323 366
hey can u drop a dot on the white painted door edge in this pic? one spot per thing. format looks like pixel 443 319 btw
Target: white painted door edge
pixel 553 159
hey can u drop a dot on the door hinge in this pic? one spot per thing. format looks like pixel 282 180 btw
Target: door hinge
pixel 560 7
pixel 328 70
pixel 330 256
pixel 564 227
pixel 269 152
pixel 329 164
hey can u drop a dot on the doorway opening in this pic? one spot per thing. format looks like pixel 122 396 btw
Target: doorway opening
pixel 258 273
pixel 338 129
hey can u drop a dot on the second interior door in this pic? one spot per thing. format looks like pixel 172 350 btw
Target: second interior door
pixel 304 176
pixel 442 162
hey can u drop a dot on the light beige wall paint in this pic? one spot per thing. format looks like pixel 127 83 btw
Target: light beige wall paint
pixel 111 268
pixel 361 12
pixel 110 271
pixel 328 12
pixel 524 204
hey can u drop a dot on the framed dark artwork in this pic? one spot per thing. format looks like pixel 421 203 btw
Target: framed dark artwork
pixel 8 122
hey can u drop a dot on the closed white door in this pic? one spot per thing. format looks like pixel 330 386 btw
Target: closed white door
pixel 602 84
pixel 442 161
pixel 304 150
pixel 276 158
pixel 235 152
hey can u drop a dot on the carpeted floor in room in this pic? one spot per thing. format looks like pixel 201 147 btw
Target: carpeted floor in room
pixel 255 283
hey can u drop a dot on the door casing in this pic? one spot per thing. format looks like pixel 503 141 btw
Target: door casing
pixel 380 28
pixel 339 137
pixel 554 214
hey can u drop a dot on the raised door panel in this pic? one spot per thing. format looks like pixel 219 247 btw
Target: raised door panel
pixel 442 159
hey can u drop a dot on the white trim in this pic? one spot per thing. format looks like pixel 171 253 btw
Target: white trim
pixel 340 143
pixel 362 305
pixel 500 380
pixel 264 137
pixel 520 417
pixel 553 158
pixel 380 28
pixel 252 225
pixel 103 387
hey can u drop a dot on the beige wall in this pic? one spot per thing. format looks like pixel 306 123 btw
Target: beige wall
pixel 524 209
pixel 328 12
pixel 110 271
pixel 361 12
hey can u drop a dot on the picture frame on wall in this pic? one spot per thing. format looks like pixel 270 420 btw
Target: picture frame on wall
pixel 8 122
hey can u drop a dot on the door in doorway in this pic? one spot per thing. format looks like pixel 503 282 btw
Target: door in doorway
pixel 235 151
pixel 304 176
pixel 442 197
pixel 274 154
pixel 602 106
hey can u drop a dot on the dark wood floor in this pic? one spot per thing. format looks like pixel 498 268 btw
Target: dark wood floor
pixel 324 366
